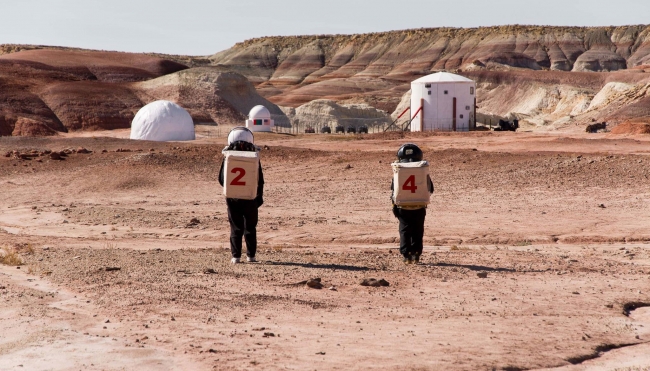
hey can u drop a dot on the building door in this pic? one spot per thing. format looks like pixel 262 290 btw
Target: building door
pixel 453 123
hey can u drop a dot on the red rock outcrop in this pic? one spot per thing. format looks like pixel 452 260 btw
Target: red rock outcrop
pixel 44 91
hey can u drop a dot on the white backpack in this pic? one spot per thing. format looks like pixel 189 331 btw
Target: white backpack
pixel 240 174
pixel 410 186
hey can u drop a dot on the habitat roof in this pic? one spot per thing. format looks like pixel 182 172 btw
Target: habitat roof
pixel 442 77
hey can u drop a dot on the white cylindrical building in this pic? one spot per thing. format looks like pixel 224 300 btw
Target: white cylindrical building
pixel 443 102
pixel 259 119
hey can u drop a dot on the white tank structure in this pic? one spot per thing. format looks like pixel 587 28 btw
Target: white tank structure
pixel 443 102
pixel 162 121
pixel 259 119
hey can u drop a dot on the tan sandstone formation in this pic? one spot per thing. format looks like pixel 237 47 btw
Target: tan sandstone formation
pixel 545 74
pixel 323 112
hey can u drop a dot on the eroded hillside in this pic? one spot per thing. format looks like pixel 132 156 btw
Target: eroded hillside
pixel 548 77
pixel 47 90
pixel 548 73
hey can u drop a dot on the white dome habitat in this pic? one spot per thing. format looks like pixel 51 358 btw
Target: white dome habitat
pixel 162 121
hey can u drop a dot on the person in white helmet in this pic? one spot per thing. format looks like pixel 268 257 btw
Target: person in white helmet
pixel 243 213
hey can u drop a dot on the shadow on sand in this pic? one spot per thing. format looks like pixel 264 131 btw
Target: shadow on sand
pixel 320 266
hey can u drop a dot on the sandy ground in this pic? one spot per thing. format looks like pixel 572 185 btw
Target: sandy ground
pixel 117 277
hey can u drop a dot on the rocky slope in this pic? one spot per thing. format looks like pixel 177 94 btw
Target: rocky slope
pixel 323 112
pixel 44 91
pixel 548 73
pixel 548 77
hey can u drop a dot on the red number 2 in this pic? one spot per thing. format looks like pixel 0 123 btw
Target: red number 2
pixel 236 181
pixel 409 185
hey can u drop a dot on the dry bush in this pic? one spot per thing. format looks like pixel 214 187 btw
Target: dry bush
pixel 9 256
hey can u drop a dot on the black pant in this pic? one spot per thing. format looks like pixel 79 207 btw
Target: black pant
pixel 411 230
pixel 242 215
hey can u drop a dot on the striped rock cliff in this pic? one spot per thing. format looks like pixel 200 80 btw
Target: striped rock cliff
pixel 562 68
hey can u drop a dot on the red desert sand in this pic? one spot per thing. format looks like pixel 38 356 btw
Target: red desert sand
pixel 536 255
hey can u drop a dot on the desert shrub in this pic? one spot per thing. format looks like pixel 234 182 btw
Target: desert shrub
pixel 9 256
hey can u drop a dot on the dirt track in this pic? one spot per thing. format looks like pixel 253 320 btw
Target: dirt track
pixel 558 223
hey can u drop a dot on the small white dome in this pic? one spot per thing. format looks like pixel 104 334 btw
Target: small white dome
pixel 259 112
pixel 162 121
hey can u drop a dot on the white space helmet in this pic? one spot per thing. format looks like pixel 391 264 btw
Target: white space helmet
pixel 240 134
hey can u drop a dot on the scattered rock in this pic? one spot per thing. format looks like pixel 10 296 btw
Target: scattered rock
pixel 83 150
pixel 348 166
pixel 209 271
pixel 602 206
pixel 110 269
pixel 332 288
pixel 55 156
pixel 482 274
pixel 269 335
pixel 374 282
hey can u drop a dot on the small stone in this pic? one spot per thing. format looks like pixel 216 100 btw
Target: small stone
pixel 209 271
pixel 111 269
pixel 372 282
pixel 314 283
pixel 482 274
pixel 348 166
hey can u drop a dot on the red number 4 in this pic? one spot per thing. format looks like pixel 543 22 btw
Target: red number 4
pixel 409 185
pixel 236 181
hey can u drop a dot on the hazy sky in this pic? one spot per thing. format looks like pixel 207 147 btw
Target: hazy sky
pixel 202 27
